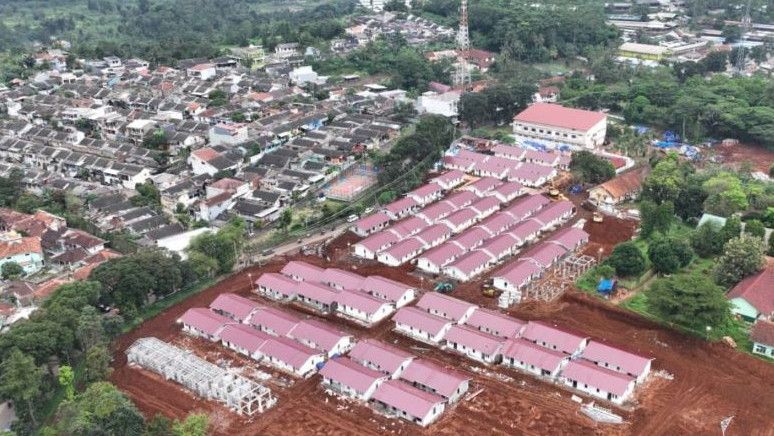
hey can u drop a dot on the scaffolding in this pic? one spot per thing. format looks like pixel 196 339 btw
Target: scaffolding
pixel 559 277
pixel 209 381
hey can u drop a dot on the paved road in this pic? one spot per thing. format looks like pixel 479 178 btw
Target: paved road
pixel 296 245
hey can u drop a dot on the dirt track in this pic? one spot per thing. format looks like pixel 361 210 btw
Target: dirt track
pixel 710 382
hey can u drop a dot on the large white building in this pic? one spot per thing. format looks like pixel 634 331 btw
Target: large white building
pixel 445 104
pixel 555 124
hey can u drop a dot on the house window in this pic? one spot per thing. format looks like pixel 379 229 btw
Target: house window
pixel 760 349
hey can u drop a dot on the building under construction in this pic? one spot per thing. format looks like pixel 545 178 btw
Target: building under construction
pixel 209 381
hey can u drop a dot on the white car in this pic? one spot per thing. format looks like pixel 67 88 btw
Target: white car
pixel 352 218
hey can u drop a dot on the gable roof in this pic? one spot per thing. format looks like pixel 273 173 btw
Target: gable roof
pixel 556 115
pixel 349 373
pixel 629 362
pixel 758 289
pixel 444 381
pixel 453 308
pixel 628 182
pixel 234 304
pixel 762 332
pixel 405 397
pixel 204 320
pixel 386 357
pixel 564 341
pixel 598 377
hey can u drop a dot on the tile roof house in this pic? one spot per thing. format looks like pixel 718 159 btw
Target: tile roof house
pixel 291 356
pixel 370 224
pixel 434 260
pixel 344 375
pixel 401 252
pixel 447 307
pixel 426 193
pixel 449 179
pixel 321 336
pixel 753 297
pixel 363 307
pixel 369 247
pixel 421 325
pixel 762 336
pixel 234 306
pixel 26 251
pixel 495 323
pixel 527 206
pixel 447 383
pixel 570 238
pixel 341 279
pixel 623 187
pixel 554 338
pixel 381 357
pixel 618 360
pixel 469 265
pixel 523 354
pixel 276 286
pixel 272 321
pixel 302 271
pixel 597 381
pixel 318 296
pixel 474 344
pixel 408 402
pixel 401 208
pixel 243 339
pixel 204 322
pixel 395 292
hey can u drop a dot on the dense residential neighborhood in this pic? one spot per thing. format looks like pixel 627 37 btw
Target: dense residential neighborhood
pixel 386 217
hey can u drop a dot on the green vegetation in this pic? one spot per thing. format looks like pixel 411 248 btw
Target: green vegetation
pixel 742 256
pixel 11 270
pixel 667 254
pixel 219 249
pixel 587 167
pixel 497 104
pixel 627 259
pixel 721 106
pixel 689 300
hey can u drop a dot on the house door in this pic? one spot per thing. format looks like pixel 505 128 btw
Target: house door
pixel 574 384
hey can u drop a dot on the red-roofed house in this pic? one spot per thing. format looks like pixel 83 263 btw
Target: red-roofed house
pixel 203 322
pixel 302 271
pixel 554 338
pixel 398 293
pixel 272 321
pixel 321 336
pixel 401 252
pixel 401 208
pixel 243 339
pixel 426 193
pixel 291 356
pixel 523 354
pixel 445 306
pixel 474 344
pixel 617 360
pixel 341 279
pixel 318 296
pixel 363 307
pixel 234 306
pixel 369 247
pixel 344 375
pixel 753 297
pixel 450 179
pixel 495 323
pixel 408 402
pixel 571 238
pixel 516 276
pixel 762 336
pixel 370 224
pixel 429 377
pixel 435 259
pixel 276 286
pixel 381 357
pixel 418 324
pixel 469 265
pixel 558 124
pixel 597 381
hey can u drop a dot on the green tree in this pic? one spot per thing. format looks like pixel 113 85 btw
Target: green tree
pixel 627 259
pixel 742 256
pixel 755 228
pixel 707 241
pixel 692 301
pixel 11 270
pixel 21 380
pixel 731 229
pixel 591 168
pixel 387 197
pixel 285 219
pixel 690 200
pixel 656 218
pixel 192 425
pixel 665 181
pixel 725 194
pixel 97 364
pixel 159 425
pixel 67 381
pixel 89 331
pixel 203 265
pixel 100 409
pixel 669 254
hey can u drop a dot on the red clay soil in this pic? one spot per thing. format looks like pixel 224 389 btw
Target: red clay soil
pixel 710 382
pixel 607 234
pixel 760 157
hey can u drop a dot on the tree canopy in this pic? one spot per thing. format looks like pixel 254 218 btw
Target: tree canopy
pixel 590 168
pixel 742 256
pixel 692 301
pixel 627 259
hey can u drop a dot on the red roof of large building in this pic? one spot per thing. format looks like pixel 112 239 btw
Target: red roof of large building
pixel 556 115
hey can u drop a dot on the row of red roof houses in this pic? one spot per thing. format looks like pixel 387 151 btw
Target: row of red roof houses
pixel 366 300
pixel 501 235
pixel 432 225
pixel 540 349
pixel 279 339
pixel 395 381
pixel 515 276
pixel 505 167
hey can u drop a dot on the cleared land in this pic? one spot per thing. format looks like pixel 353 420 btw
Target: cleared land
pixel 711 381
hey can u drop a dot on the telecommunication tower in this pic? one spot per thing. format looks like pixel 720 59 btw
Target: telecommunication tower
pixel 745 27
pixel 462 72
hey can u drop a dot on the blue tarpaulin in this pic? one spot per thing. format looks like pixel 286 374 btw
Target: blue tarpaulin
pixel 606 286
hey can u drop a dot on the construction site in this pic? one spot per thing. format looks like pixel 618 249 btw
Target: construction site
pixel 680 396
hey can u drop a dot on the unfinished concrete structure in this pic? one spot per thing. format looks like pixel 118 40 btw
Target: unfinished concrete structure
pixel 209 381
